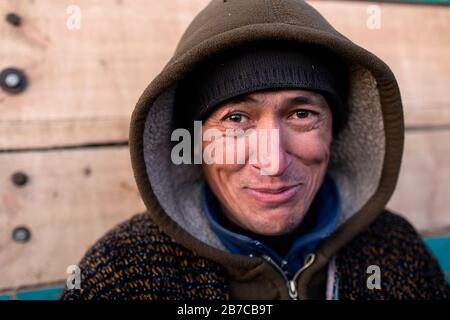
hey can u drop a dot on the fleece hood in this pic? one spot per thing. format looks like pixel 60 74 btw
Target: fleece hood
pixel 365 156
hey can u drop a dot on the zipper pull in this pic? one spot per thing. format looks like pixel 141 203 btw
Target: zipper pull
pixel 292 289
pixel 292 284
pixel 310 258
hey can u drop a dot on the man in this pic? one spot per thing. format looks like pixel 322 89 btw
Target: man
pixel 297 212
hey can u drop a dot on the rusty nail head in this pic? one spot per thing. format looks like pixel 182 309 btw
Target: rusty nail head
pixel 14 19
pixel 19 178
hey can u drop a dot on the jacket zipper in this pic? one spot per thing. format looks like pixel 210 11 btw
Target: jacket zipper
pixel 291 283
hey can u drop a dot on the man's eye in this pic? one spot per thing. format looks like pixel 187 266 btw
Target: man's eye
pixel 302 114
pixel 236 117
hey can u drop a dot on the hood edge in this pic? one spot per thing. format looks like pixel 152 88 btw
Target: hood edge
pixel 391 110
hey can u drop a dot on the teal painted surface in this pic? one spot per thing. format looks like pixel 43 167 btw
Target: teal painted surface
pixel 5 297
pixel 51 293
pixel 422 1
pixel 433 1
pixel 440 247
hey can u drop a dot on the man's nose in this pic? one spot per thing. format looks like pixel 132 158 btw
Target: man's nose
pixel 270 156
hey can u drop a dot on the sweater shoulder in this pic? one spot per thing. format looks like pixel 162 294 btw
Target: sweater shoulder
pixel 137 260
pixel 407 268
pixel 131 241
pixel 136 233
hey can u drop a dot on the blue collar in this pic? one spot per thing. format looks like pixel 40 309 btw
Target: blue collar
pixel 323 224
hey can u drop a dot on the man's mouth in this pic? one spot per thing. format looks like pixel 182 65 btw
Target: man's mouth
pixel 274 195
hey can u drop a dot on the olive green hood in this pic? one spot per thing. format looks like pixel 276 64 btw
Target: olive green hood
pixel 365 158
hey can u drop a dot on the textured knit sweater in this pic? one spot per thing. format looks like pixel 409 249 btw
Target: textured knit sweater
pixel 136 261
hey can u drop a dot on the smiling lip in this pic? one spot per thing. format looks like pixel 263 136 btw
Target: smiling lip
pixel 274 195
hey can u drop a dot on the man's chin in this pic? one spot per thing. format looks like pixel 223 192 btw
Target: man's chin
pixel 276 222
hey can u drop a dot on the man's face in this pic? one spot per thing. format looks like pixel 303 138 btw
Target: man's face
pixel 272 203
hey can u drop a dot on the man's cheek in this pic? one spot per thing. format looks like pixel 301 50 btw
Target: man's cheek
pixel 313 151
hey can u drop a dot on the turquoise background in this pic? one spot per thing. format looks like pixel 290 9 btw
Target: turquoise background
pixel 419 1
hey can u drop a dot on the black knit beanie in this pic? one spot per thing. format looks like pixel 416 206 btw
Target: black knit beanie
pixel 262 66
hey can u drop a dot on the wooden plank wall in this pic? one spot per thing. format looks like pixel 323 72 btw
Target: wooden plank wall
pixel 419 55
pixel 67 132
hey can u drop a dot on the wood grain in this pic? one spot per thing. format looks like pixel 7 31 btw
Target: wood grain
pixel 423 191
pixel 84 85
pixel 88 76
pixel 72 198
pixel 96 74
pixel 413 40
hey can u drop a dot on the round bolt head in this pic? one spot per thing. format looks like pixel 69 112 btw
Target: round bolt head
pixel 13 80
pixel 19 178
pixel 21 234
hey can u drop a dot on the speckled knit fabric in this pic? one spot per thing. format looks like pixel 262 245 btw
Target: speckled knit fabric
pixel 136 260
pixel 408 270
